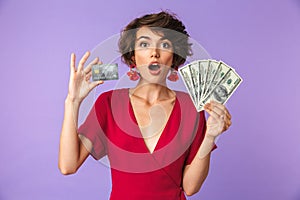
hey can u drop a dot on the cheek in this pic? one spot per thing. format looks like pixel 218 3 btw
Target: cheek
pixel 140 57
pixel 170 59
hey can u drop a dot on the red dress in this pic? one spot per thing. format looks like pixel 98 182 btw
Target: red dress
pixel 137 174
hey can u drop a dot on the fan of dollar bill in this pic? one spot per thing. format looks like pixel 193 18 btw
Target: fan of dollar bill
pixel 207 80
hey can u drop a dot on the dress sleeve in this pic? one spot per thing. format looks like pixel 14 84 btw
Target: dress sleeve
pixel 200 133
pixel 90 132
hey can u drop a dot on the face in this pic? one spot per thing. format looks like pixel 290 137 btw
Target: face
pixel 153 55
pixel 220 91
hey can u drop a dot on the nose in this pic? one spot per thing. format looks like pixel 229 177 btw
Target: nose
pixel 155 53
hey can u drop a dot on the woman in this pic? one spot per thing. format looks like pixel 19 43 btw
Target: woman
pixel 157 144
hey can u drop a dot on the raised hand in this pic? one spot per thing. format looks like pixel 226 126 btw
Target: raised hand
pixel 80 84
pixel 219 119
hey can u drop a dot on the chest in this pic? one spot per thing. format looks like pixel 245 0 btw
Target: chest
pixel 152 120
pixel 127 134
pixel 132 126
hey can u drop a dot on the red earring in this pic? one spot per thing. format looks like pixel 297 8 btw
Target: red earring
pixel 173 75
pixel 133 74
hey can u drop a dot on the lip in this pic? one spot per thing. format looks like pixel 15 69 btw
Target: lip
pixel 156 71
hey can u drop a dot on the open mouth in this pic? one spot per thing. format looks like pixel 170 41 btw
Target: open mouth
pixel 154 67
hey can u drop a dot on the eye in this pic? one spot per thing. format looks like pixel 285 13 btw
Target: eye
pixel 166 45
pixel 143 44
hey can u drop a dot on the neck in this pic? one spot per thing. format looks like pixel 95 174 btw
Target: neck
pixel 151 92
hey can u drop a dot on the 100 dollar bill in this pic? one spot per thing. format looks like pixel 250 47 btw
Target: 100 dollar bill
pixel 224 89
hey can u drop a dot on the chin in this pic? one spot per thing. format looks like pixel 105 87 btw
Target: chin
pixel 155 80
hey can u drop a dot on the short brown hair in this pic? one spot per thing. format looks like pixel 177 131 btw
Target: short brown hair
pixel 165 22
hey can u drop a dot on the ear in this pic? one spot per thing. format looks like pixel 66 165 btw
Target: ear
pixel 132 59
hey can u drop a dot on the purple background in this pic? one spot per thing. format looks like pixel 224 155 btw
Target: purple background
pixel 258 158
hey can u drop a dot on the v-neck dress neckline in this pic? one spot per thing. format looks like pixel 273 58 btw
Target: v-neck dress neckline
pixel 163 136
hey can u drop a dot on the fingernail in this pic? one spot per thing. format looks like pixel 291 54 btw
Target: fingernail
pixel 207 106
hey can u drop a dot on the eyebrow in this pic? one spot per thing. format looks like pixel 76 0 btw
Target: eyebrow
pixel 143 37
pixel 148 38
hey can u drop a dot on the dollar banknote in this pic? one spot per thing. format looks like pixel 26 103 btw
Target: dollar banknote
pixel 221 70
pixel 208 80
pixel 186 74
pixel 213 67
pixel 194 70
pixel 203 65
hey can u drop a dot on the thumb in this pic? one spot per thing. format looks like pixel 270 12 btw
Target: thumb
pixel 95 83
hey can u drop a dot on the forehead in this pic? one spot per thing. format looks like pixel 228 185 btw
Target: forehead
pixel 146 31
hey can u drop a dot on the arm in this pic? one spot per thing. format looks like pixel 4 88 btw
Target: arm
pixel 195 174
pixel 72 153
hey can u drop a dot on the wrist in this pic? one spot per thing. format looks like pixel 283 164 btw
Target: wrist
pixel 72 100
pixel 206 147
pixel 212 133
pixel 210 138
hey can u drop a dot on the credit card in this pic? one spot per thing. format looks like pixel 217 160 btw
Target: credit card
pixel 105 72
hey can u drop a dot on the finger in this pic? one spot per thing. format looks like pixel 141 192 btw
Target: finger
pixel 227 125
pixel 217 104
pixel 88 76
pixel 89 67
pixel 218 113
pixel 72 63
pixel 228 115
pixel 83 60
pixel 212 113
pixel 94 84
pixel 221 107
pixel 217 110
pixel 222 113
pixel 219 116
